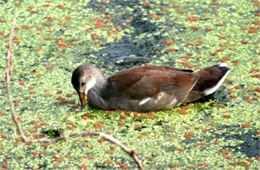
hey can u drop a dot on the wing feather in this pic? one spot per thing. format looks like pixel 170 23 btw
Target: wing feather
pixel 147 81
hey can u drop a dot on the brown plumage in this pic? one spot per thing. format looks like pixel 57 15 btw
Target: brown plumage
pixel 146 88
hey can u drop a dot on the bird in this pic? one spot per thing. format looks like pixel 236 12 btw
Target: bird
pixel 145 88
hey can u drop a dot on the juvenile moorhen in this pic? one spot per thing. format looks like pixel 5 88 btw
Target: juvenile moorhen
pixel 146 88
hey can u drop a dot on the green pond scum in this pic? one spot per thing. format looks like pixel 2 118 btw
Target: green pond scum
pixel 53 37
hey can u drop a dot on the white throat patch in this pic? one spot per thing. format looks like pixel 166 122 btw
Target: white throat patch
pixel 91 83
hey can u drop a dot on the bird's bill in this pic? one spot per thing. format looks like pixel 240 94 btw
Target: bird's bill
pixel 83 99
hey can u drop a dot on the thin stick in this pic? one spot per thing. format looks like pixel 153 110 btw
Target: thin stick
pixel 8 77
pixel 109 138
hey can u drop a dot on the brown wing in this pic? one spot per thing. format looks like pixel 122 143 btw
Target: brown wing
pixel 147 81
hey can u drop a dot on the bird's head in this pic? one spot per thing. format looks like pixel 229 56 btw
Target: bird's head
pixel 83 79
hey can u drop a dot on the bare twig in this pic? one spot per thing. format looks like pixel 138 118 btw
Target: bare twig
pixel 8 77
pixel 109 138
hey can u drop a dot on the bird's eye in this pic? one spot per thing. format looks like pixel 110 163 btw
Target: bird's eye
pixel 83 83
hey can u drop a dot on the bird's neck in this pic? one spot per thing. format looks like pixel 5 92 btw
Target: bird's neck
pixel 95 94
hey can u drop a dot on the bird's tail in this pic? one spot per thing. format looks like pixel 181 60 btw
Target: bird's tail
pixel 210 79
